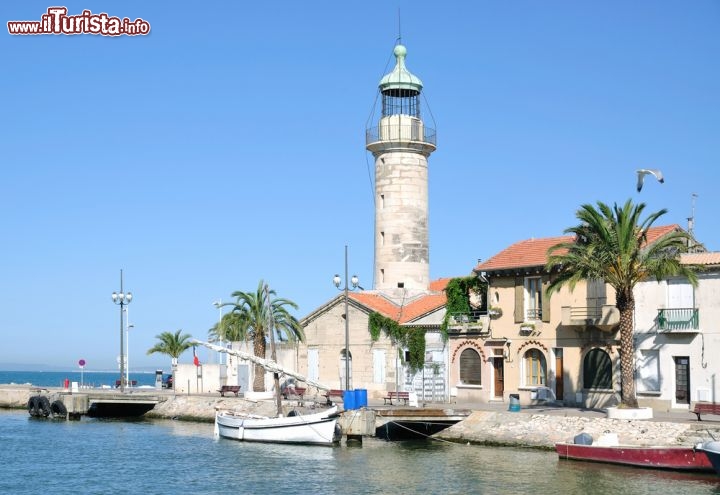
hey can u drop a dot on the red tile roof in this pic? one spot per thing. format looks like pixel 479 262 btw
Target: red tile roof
pixel 707 259
pixel 533 252
pixel 439 284
pixel 421 306
pixel 409 312
pixel 655 233
pixel 378 303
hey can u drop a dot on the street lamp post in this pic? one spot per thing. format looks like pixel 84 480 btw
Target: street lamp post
pixel 354 281
pixel 127 346
pixel 122 299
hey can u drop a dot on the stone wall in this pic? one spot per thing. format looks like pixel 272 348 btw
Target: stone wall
pixel 544 430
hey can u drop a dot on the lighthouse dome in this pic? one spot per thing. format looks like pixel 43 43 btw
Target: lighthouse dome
pixel 400 78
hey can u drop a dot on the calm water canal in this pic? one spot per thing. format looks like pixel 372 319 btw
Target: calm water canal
pixel 159 457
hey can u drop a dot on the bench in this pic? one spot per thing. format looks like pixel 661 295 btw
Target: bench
pixel 235 389
pixel 705 408
pixel 398 396
pixel 337 393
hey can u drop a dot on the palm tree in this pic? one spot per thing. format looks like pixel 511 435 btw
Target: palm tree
pixel 232 327
pixel 612 244
pixel 172 344
pixel 250 319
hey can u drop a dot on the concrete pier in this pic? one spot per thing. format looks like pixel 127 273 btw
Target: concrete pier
pixel 95 402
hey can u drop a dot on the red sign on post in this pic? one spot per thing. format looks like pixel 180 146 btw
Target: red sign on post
pixel 81 363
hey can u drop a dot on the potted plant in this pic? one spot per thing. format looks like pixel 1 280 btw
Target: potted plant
pixel 495 312
pixel 527 327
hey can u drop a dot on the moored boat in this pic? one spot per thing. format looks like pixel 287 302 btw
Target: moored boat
pixel 676 458
pixel 311 429
pixel 712 450
pixel 319 428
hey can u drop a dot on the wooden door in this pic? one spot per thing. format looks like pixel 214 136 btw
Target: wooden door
pixel 682 380
pixel 559 385
pixel 499 372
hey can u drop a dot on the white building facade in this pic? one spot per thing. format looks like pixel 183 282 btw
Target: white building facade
pixel 677 337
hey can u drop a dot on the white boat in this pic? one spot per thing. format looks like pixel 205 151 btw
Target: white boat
pixel 312 429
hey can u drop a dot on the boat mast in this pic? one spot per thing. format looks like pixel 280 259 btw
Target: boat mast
pixel 276 375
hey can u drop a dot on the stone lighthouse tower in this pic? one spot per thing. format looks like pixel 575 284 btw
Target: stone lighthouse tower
pixel 401 145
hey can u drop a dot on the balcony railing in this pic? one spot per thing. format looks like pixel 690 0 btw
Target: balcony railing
pixel 401 133
pixel 681 319
pixel 605 317
pixel 589 313
pixel 471 322
pixel 533 314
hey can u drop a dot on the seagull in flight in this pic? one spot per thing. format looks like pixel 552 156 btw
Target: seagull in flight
pixel 645 171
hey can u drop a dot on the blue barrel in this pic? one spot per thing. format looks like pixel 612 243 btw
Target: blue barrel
pixel 514 403
pixel 360 397
pixel 349 400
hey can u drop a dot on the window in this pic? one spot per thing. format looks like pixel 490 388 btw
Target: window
pixel 535 367
pixel 533 298
pixel 313 364
pixel 596 297
pixel 470 367
pixel 680 294
pixel 649 371
pixel 379 366
pixel 597 370
pixel 346 365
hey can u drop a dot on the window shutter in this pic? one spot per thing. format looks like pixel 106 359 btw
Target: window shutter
pixel 519 299
pixel 470 367
pixel 545 300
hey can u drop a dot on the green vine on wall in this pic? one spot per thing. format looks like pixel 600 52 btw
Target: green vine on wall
pixel 412 338
pixel 458 292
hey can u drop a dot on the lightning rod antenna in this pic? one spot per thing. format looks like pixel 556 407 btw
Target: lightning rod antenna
pixel 691 220
pixel 399 38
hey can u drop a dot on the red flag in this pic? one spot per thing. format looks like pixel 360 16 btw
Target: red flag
pixel 195 358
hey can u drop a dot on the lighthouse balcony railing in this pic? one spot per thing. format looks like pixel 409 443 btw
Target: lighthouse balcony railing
pixel 401 133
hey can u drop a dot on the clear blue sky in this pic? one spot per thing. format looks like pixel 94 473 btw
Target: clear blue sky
pixel 228 147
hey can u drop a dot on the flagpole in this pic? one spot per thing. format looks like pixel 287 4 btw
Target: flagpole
pixel 196 362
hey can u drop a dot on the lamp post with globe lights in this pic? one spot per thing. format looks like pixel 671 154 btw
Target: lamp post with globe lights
pixel 123 299
pixel 127 347
pixel 354 281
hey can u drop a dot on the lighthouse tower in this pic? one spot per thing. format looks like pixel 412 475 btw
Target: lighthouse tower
pixel 401 145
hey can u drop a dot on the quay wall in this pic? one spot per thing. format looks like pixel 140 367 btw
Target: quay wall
pixel 171 406
pixel 521 429
pixel 526 429
pixel 17 396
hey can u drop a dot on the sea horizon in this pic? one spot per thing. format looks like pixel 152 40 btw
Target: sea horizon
pixel 45 368
pixel 89 378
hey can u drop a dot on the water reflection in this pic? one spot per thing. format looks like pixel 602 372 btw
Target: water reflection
pixel 163 456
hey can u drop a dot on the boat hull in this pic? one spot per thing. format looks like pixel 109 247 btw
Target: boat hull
pixel 712 450
pixel 672 458
pixel 311 429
